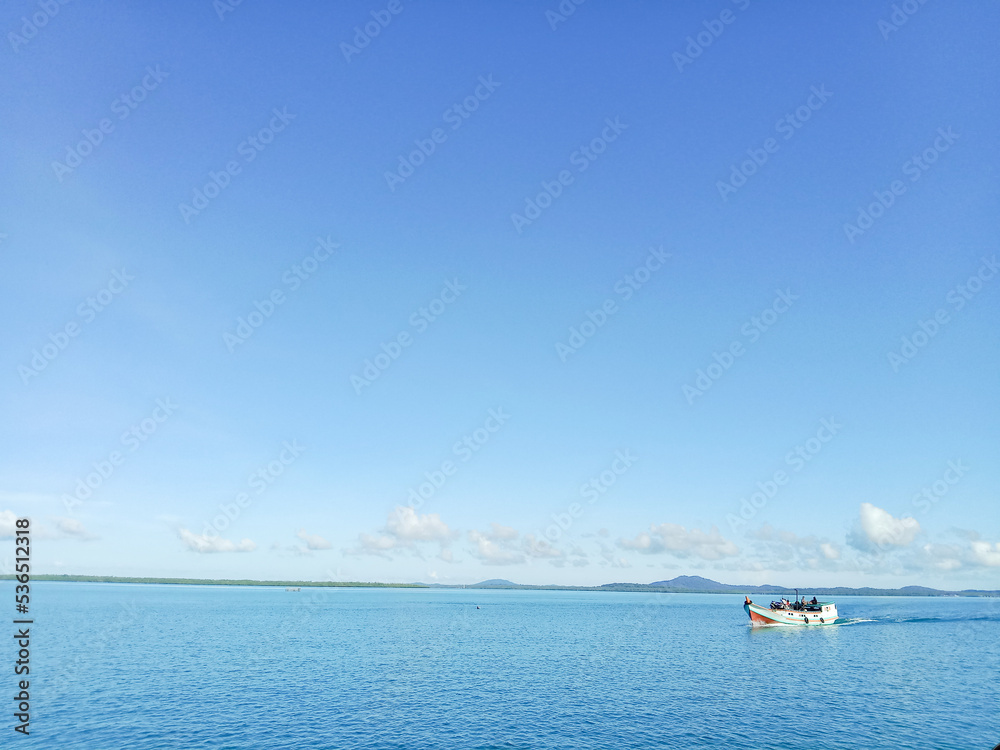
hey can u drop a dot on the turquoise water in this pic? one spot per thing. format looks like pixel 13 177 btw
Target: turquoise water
pixel 138 666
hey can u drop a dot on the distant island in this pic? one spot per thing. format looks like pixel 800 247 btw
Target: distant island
pixel 699 585
pixel 678 585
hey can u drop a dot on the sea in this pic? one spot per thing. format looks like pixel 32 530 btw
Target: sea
pixel 251 668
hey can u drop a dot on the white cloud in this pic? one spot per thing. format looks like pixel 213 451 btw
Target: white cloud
pixel 784 550
pixel 499 531
pixel 965 551
pixel 494 551
pixel 7 524
pixel 376 544
pixel 72 528
pixel 608 556
pixel 934 557
pixel 312 540
pixel 971 551
pixel 830 551
pixel 65 528
pixel 204 543
pixel 539 548
pixel 677 540
pixel 768 533
pixel 642 543
pixel 945 559
pixel 407 526
pixel 879 530
pixel 503 545
pixel 403 530
pixel 986 554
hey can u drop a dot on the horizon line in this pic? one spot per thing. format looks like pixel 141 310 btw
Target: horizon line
pixel 501 584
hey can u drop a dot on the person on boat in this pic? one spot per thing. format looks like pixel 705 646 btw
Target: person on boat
pixel 814 601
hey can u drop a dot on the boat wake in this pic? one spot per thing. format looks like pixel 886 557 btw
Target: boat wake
pixel 915 620
pixel 977 618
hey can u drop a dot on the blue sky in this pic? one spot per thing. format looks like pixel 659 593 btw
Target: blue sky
pixel 593 278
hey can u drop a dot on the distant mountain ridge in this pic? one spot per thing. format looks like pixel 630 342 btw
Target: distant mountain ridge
pixel 495 583
pixel 678 585
pixel 692 582
pixel 697 583
pixel 700 585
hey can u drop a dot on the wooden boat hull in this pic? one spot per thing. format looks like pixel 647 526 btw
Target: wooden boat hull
pixel 764 616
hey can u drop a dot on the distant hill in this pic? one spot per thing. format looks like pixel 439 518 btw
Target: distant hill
pixel 920 590
pixel 678 585
pixel 707 585
pixel 696 583
pixel 699 585
pixel 494 583
pixel 702 585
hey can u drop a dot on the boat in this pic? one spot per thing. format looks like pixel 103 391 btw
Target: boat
pixel 796 612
